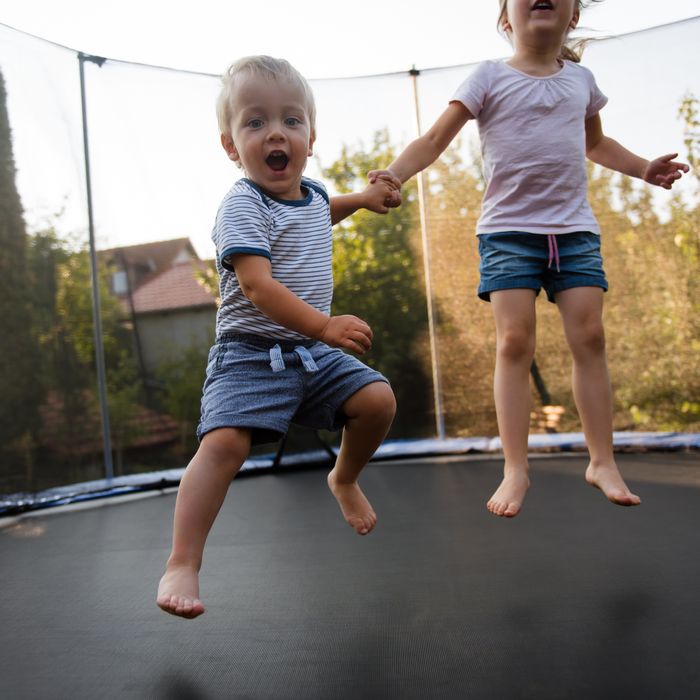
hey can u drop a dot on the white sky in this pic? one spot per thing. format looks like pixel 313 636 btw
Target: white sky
pixel 321 38
pixel 158 171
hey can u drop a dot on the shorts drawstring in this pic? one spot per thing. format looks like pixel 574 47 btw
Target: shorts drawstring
pixel 306 359
pixel 553 250
pixel 277 363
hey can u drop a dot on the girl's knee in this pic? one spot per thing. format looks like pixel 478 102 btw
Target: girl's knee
pixel 516 345
pixel 588 341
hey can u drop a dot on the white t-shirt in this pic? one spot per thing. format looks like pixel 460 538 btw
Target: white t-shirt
pixel 533 146
pixel 295 235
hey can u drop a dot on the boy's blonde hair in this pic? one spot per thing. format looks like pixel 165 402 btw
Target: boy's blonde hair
pixel 571 50
pixel 265 66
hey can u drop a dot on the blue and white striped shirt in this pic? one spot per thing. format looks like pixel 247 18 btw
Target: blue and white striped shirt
pixel 295 235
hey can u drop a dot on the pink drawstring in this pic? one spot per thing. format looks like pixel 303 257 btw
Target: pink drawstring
pixel 553 250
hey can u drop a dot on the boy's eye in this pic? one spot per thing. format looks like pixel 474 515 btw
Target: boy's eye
pixel 255 123
pixel 292 121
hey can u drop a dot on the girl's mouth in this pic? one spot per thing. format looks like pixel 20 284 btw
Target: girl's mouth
pixel 277 160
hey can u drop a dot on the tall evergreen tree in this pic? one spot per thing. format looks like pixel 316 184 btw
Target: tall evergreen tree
pixel 19 387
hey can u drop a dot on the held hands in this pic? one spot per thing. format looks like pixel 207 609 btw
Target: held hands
pixel 349 332
pixel 389 180
pixel 664 171
pixel 380 196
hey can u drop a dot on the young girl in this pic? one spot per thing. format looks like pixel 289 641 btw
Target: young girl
pixel 538 119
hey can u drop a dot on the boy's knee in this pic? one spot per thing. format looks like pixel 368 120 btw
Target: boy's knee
pixel 374 400
pixel 229 446
pixel 386 401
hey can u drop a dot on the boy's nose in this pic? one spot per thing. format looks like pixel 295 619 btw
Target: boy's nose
pixel 276 133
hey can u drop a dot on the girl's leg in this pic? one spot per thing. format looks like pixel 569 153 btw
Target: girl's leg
pixel 581 310
pixel 370 412
pixel 202 491
pixel 514 312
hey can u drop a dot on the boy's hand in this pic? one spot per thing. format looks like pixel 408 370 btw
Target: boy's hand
pixel 664 171
pixel 347 332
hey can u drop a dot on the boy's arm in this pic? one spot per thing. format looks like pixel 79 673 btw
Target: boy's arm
pixel 426 149
pixel 377 197
pixel 277 302
pixel 603 150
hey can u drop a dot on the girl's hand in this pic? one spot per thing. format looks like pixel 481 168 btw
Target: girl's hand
pixel 664 171
pixel 387 176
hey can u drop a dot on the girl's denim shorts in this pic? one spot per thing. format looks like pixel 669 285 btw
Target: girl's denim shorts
pixel 518 260
pixel 265 384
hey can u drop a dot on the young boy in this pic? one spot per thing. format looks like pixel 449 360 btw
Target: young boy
pixel 276 357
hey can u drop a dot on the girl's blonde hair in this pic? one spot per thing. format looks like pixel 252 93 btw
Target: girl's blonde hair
pixel 571 50
pixel 267 67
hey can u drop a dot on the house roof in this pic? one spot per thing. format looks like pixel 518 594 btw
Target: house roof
pixel 156 255
pixel 174 288
pixel 147 428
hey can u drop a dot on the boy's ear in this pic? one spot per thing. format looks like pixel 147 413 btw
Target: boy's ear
pixel 312 139
pixel 229 147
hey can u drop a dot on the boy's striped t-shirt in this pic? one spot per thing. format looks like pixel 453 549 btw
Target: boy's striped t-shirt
pixel 295 235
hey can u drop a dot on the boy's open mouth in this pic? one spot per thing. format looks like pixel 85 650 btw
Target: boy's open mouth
pixel 542 5
pixel 277 160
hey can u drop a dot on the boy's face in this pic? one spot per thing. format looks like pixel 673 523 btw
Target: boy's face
pixel 270 134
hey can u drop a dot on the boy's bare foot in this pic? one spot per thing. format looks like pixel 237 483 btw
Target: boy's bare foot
pixel 609 480
pixel 508 498
pixel 355 507
pixel 178 592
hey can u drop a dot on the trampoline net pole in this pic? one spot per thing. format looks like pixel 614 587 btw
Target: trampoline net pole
pixel 430 301
pixel 95 280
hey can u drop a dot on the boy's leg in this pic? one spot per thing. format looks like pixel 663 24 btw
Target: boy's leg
pixel 202 491
pixel 369 412
pixel 514 313
pixel 581 310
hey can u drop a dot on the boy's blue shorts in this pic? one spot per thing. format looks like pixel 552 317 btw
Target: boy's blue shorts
pixel 518 260
pixel 265 384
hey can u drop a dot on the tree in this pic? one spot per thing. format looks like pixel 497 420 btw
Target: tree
pixel 651 313
pixel 20 390
pixel 59 269
pixel 376 272
pixel 688 113
pixel 181 380
pixel 466 338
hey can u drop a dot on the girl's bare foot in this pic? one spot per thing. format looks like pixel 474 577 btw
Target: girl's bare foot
pixel 608 479
pixel 355 507
pixel 178 592
pixel 508 498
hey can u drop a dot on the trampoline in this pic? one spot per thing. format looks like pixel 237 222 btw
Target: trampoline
pixel 575 598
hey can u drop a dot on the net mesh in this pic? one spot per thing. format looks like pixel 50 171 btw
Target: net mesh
pixel 159 173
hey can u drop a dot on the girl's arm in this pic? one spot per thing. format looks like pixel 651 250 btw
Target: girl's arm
pixel 601 149
pixel 279 303
pixel 426 149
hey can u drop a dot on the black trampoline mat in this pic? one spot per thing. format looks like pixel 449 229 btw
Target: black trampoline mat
pixel 574 598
